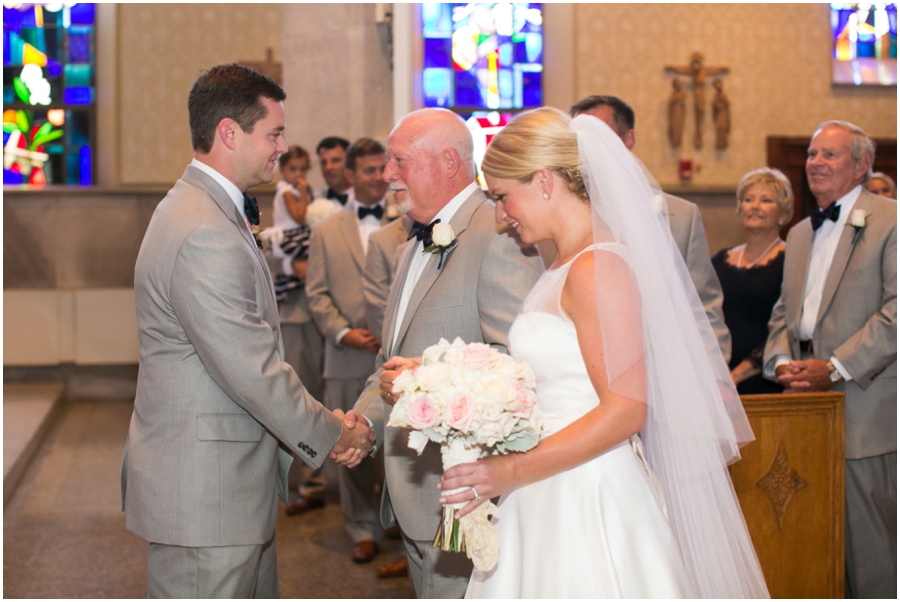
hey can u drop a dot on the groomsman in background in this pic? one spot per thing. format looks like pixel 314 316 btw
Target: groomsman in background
pixel 334 286
pixel 331 152
pixel 835 328
pixel 684 218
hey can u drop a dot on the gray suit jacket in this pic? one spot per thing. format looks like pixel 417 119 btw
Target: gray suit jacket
pixel 203 464
pixel 476 296
pixel 690 238
pixel 857 321
pixel 381 267
pixel 334 288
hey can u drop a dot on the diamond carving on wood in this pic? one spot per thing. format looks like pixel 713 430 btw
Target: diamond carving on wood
pixel 780 484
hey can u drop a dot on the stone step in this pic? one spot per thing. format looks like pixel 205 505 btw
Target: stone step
pixel 29 412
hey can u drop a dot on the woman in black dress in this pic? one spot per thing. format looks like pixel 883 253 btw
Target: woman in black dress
pixel 750 274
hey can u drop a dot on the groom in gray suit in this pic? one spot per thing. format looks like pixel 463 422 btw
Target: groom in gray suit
pixel 473 290
pixel 218 411
pixel 835 328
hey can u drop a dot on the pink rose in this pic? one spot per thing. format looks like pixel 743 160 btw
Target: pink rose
pixel 523 404
pixel 422 414
pixel 476 355
pixel 460 411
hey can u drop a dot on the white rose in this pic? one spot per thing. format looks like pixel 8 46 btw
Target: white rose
pixel 433 377
pixel 858 218
pixel 498 391
pixel 443 234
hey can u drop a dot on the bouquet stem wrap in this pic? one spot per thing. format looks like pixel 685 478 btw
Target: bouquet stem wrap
pixel 473 533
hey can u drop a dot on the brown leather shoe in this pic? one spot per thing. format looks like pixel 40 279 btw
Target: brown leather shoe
pixel 393 532
pixel 364 551
pixel 303 505
pixel 398 568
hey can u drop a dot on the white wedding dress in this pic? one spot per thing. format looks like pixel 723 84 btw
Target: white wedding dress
pixel 598 530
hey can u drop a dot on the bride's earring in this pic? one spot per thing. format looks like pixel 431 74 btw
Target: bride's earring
pixel 546 197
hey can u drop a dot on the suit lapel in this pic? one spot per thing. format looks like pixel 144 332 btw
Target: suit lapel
pixel 393 302
pixel 797 280
pixel 841 257
pixel 198 178
pixel 430 273
pixel 350 232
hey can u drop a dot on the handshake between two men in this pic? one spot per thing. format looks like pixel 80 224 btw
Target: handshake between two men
pixel 356 440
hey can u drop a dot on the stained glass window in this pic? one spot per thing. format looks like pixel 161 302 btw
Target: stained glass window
pixel 864 43
pixel 48 93
pixel 482 56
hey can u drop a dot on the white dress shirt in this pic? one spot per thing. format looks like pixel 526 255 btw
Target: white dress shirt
pixel 367 226
pixel 824 245
pixel 419 258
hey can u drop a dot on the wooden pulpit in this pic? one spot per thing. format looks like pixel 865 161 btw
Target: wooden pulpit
pixel 790 483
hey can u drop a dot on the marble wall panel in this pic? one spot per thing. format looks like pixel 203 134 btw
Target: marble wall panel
pixel 29 234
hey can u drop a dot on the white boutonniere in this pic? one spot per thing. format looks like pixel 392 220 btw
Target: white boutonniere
pixel 443 240
pixel 858 219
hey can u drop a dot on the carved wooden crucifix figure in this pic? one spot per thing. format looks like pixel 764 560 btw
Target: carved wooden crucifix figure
pixel 698 74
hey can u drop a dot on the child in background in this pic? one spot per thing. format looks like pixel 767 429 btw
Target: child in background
pixel 292 193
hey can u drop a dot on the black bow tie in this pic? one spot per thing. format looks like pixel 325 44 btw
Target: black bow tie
pixel 340 198
pixel 422 232
pixel 376 210
pixel 818 216
pixel 251 210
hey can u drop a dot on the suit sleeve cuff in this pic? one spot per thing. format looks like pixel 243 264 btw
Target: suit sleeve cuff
pixel 340 335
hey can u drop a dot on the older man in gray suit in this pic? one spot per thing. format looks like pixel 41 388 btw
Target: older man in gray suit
pixel 473 290
pixel 684 219
pixel 835 328
pixel 217 410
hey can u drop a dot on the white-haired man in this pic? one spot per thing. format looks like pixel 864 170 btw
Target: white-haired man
pixel 835 328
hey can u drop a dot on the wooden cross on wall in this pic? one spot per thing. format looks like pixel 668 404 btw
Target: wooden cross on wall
pixel 269 68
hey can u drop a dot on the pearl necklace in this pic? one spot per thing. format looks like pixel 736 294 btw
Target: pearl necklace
pixel 764 253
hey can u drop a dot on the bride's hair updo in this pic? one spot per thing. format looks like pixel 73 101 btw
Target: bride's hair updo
pixel 538 139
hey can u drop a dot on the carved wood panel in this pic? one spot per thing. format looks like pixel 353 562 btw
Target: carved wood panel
pixel 790 483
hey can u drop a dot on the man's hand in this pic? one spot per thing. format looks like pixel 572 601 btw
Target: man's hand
pixel 356 440
pixel 392 369
pixel 361 338
pixel 299 266
pixel 804 376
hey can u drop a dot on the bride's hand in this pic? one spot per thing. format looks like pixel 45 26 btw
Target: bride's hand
pixel 482 480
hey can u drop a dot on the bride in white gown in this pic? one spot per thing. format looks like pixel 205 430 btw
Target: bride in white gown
pixel 628 493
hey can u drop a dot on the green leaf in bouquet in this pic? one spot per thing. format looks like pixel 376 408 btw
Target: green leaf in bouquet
pixel 520 441
pixel 44 138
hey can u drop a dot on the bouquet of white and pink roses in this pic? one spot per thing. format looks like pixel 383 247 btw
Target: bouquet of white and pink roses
pixel 474 401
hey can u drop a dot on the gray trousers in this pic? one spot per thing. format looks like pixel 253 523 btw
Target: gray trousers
pixel 437 574
pixel 249 571
pixel 304 351
pixel 356 486
pixel 871 533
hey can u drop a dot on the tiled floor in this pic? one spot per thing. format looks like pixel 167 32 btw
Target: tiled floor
pixel 64 535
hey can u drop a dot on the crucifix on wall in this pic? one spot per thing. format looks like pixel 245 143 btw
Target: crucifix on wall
pixel 698 73
pixel 269 68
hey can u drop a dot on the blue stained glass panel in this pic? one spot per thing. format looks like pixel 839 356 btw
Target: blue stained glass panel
pixel 9 96
pixel 467 94
pixel 85 166
pixel 438 52
pixel 438 87
pixel 27 19
pixel 73 162
pixel 531 89
pixel 436 19
pixel 505 84
pixel 79 48
pixel 534 46
pixel 82 14
pixel 80 95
